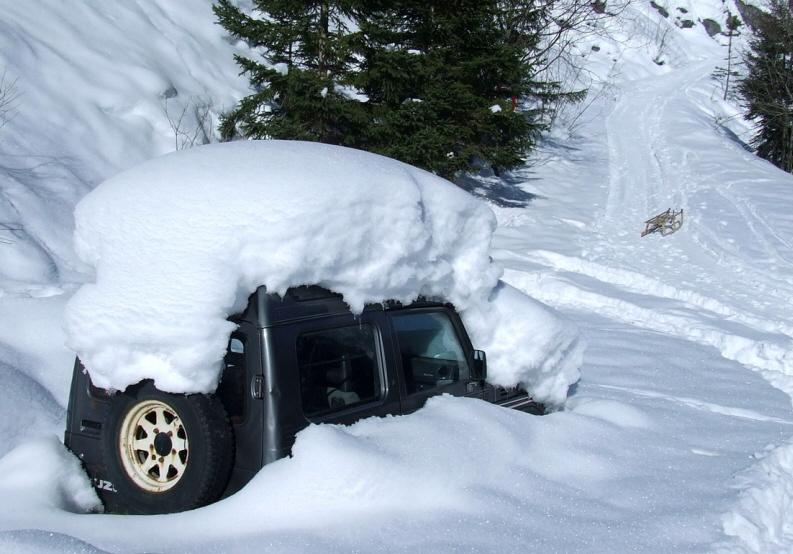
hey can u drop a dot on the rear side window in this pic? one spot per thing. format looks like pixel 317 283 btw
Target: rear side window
pixel 338 369
pixel 431 352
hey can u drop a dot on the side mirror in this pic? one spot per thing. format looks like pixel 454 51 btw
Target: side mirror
pixel 479 370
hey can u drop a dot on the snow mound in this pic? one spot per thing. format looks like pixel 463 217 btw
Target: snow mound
pixel 761 520
pixel 180 242
pixel 426 463
pixel 58 483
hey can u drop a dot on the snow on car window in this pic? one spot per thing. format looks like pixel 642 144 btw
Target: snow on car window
pixel 180 242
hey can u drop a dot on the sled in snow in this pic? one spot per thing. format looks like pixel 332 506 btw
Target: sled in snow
pixel 666 222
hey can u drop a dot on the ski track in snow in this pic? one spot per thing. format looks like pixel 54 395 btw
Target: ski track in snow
pixel 715 283
pixel 701 405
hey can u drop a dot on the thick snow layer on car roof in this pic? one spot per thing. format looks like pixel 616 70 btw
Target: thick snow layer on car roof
pixel 180 242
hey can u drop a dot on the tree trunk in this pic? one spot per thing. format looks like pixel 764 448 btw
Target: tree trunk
pixel 324 25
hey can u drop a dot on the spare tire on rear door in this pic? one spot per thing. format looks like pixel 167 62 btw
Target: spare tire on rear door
pixel 165 452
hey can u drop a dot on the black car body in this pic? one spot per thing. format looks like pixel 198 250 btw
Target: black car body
pixel 293 360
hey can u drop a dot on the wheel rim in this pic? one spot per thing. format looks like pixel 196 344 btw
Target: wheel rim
pixel 153 446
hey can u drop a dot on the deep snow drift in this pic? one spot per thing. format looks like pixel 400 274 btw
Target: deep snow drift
pixel 181 242
pixel 676 439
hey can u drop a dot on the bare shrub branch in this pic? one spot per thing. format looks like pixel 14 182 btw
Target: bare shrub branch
pixel 550 32
pixel 9 94
pixel 186 133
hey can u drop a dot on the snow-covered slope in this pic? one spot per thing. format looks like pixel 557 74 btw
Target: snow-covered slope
pixel 676 439
pixel 102 87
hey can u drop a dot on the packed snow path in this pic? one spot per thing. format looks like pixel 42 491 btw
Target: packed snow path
pixel 723 281
pixel 731 261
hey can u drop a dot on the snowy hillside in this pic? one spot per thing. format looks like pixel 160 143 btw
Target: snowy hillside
pixel 677 437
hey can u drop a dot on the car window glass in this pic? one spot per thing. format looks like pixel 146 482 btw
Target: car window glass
pixel 236 346
pixel 431 353
pixel 338 369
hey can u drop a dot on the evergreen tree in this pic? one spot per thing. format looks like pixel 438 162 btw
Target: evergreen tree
pixel 299 83
pixel 726 74
pixel 433 83
pixel 733 24
pixel 442 81
pixel 767 88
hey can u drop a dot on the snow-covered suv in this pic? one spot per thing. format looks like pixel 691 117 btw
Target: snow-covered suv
pixel 294 360
pixel 202 350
